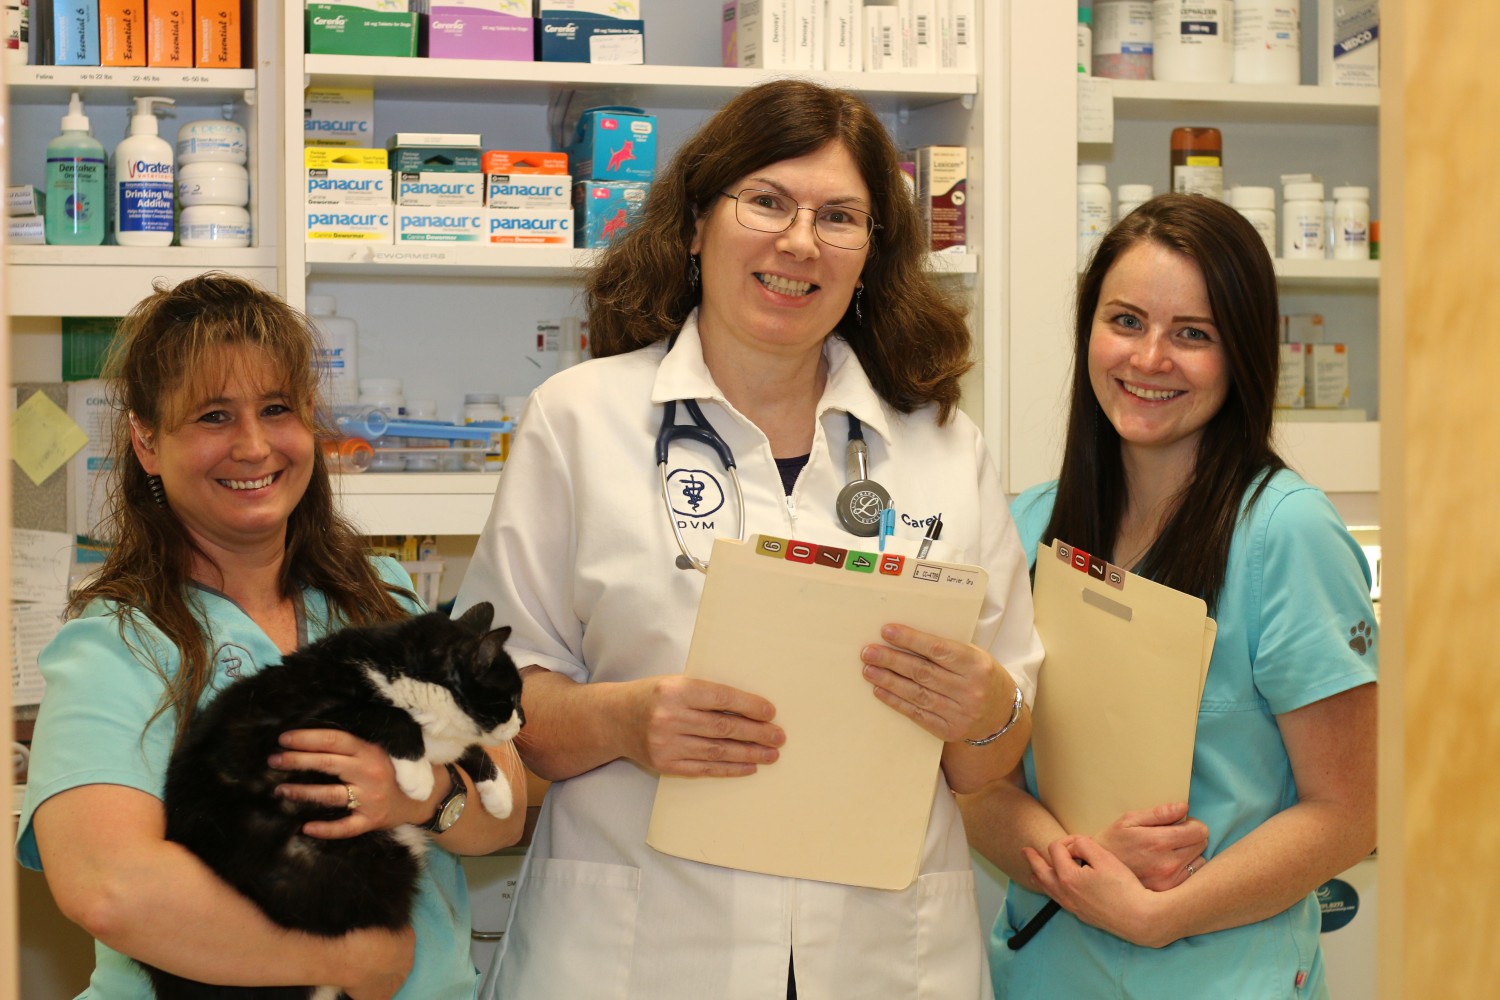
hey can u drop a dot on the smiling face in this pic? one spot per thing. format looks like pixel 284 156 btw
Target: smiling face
pixel 234 455
pixel 1156 358
pixel 781 293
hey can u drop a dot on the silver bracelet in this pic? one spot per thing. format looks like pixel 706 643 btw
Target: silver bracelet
pixel 1015 713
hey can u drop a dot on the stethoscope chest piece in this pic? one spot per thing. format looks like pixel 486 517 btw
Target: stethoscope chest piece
pixel 862 499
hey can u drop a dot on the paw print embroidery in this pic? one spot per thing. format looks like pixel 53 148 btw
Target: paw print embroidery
pixel 1360 638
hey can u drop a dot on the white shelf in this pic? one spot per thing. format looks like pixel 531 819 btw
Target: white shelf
pixel 470 260
pixel 410 503
pixel 1152 100
pixel 1328 273
pixel 49 84
pixel 686 86
pixel 1336 456
pixel 108 280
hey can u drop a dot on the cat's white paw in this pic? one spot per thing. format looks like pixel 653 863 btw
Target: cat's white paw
pixel 496 797
pixel 414 777
pixel 326 993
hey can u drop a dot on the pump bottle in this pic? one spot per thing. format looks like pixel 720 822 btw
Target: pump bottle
pixel 144 183
pixel 75 183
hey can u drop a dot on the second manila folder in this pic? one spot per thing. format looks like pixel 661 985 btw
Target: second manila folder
pixel 1117 698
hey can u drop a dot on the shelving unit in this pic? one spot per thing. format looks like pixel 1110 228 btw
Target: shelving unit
pixel 1268 130
pixel 389 290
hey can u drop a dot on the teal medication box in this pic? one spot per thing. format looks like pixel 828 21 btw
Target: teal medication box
pixel 605 209
pixel 613 144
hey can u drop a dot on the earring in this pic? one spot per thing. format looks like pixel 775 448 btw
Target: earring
pixel 693 272
pixel 157 493
pixel 859 294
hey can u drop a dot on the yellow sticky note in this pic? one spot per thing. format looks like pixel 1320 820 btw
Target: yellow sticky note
pixel 43 437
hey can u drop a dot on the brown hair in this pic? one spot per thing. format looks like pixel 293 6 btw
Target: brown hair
pixel 913 341
pixel 169 347
pixel 1192 551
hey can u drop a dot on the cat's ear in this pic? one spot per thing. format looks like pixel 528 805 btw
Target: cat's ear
pixel 492 646
pixel 478 618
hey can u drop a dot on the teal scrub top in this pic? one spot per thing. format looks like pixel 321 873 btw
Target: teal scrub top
pixel 1295 626
pixel 88 731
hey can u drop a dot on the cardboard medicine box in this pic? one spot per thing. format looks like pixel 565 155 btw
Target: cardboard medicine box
pixel 462 32
pixel 216 43
pixel 553 227
pixel 509 161
pixel 1291 377
pixel 122 32
pixel 591 40
pixel 441 188
pixel 169 33
pixel 370 224
pixel 614 144
pixel 605 209
pixel 435 152
pixel 338 116
pixel 1327 376
pixel 618 10
pixel 341 186
pixel 942 196
pixel 340 29
pixel 428 224
pixel 528 192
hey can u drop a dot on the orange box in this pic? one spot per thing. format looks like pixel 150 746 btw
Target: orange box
pixel 505 161
pixel 217 41
pixel 122 32
pixel 169 32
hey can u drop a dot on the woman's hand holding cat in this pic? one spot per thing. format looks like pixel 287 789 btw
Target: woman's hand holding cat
pixel 700 728
pixel 363 772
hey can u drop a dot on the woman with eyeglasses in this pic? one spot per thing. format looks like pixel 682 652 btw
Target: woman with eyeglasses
pixel 777 285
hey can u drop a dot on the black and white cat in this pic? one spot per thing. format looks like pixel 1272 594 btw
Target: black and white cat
pixel 427 690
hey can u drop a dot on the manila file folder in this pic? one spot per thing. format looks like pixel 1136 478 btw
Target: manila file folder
pixel 849 798
pixel 1117 697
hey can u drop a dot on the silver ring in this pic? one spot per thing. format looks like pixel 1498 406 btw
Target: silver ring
pixel 353 799
pixel 1190 869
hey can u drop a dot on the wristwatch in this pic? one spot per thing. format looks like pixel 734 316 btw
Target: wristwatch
pixel 452 806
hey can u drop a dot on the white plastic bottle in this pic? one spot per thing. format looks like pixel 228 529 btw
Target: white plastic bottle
pixel 1094 214
pixel 1302 220
pixel 1192 41
pixel 338 355
pixel 1122 39
pixel 1268 41
pixel 1131 197
pixel 1085 41
pixel 144 182
pixel 1351 223
pixel 1258 206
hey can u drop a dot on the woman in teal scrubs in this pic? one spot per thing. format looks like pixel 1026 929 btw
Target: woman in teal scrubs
pixel 1169 469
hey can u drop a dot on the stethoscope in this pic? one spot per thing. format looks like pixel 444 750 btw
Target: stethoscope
pixel 858 505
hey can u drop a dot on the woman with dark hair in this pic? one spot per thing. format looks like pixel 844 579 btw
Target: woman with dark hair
pixel 778 283
pixel 1169 469
pixel 226 552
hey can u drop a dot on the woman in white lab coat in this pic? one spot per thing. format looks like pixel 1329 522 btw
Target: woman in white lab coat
pixel 777 279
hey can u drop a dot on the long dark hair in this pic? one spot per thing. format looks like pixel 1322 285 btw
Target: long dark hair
pixel 913 341
pixel 172 344
pixel 1192 551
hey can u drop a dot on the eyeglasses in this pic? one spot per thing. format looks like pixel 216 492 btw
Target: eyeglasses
pixel 770 212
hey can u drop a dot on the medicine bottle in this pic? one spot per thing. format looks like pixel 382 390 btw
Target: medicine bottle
pixel 1085 40
pixel 1258 206
pixel 1302 220
pixel 1094 214
pixel 1198 161
pixel 1130 197
pixel 484 408
pixel 1192 41
pixel 1122 39
pixel 1268 41
pixel 1351 223
pixel 385 394
pixel 423 454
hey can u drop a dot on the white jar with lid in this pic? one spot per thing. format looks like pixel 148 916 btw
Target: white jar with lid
pixel 1351 223
pixel 1258 206
pixel 1130 197
pixel 212 140
pixel 1302 221
pixel 1094 214
pixel 213 226
pixel 213 183
pixel 484 407
pixel 1268 41
pixel 385 394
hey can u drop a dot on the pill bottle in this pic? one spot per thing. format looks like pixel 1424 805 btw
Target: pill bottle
pixel 1192 41
pixel 213 226
pixel 1351 223
pixel 210 182
pixel 483 408
pixel 1302 220
pixel 1130 197
pixel 385 394
pixel 1258 205
pixel 338 354
pixel 1197 162
pixel 347 455
pixel 1122 39
pixel 1268 41
pixel 1085 41
pixel 1093 209
pixel 211 140
pixel 1374 239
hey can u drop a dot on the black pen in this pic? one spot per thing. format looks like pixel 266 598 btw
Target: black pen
pixel 934 530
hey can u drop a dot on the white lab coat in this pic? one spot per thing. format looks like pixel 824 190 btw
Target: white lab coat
pixel 578 558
